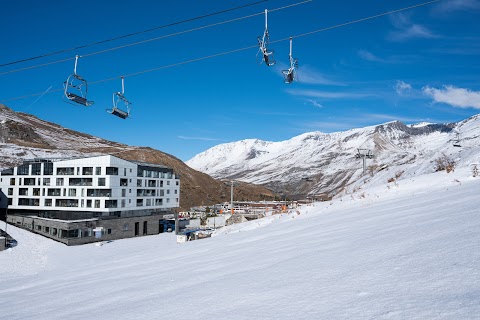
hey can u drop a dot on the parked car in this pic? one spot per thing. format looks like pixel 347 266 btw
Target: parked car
pixel 11 243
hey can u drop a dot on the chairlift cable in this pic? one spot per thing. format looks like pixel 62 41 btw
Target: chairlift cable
pixel 154 39
pixel 133 34
pixel 233 51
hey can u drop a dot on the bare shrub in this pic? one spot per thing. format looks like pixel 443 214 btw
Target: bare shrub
pixel 391 180
pixel 475 171
pixel 399 174
pixel 444 163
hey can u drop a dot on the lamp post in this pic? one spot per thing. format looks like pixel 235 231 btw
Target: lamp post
pixel 231 196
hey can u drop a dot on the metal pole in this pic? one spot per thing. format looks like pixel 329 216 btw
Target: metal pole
pixel 231 195
pixel 364 164
pixel 6 225
pixel 75 69
pixel 176 222
pixel 266 19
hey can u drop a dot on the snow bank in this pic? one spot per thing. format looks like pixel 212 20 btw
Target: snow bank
pixel 405 252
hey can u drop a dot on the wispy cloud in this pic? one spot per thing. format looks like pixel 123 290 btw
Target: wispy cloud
pixel 314 103
pixel 368 56
pixel 456 97
pixel 308 75
pixel 329 94
pixel 402 87
pixel 198 138
pixel 407 30
pixel 457 5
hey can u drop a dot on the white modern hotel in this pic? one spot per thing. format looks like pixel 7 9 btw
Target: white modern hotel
pixel 97 191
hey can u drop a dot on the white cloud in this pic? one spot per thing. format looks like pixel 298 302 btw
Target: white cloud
pixel 328 94
pixel 406 29
pixel 457 5
pixel 315 103
pixel 456 97
pixel 368 56
pixel 402 87
pixel 309 75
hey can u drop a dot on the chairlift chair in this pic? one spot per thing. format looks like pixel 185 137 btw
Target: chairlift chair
pixel 267 55
pixel 291 74
pixel 75 88
pixel 119 99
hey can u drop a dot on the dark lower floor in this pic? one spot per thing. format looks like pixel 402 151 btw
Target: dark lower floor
pixel 77 232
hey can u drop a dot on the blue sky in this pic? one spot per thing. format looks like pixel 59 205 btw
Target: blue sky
pixel 418 65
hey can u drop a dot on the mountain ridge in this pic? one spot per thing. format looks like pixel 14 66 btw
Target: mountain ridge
pixel 322 164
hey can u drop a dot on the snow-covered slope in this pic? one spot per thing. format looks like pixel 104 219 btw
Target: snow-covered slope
pixel 319 163
pixel 403 251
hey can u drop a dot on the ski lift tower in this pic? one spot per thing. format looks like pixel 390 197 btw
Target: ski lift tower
pixel 364 154
pixel 232 183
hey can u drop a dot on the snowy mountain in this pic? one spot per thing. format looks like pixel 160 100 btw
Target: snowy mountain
pixel 23 136
pixel 404 251
pixel 319 164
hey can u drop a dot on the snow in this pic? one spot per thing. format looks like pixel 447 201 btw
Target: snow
pixel 329 159
pixel 403 250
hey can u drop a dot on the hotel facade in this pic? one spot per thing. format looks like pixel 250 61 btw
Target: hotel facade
pixel 90 199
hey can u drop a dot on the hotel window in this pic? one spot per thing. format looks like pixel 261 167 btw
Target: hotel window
pixel 87 171
pixel 111 204
pixel 36 169
pixel 23 170
pixel 48 168
pixel 72 192
pixel 46 181
pixel 101 182
pixel 89 203
pixel 112 171
pixel 97 203
pixel 36 192
pixel 29 181
pixel 23 191
pixel 98 171
pixel 59 181
pixel 48 202
pixel 65 171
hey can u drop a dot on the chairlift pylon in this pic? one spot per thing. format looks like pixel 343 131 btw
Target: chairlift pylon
pixel 119 98
pixel 267 55
pixel 291 74
pixel 76 88
pixel 456 142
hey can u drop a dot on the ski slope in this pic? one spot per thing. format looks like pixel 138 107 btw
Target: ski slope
pixel 404 250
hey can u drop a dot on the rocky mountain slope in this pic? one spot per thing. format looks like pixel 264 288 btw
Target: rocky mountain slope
pixel 23 136
pixel 321 165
